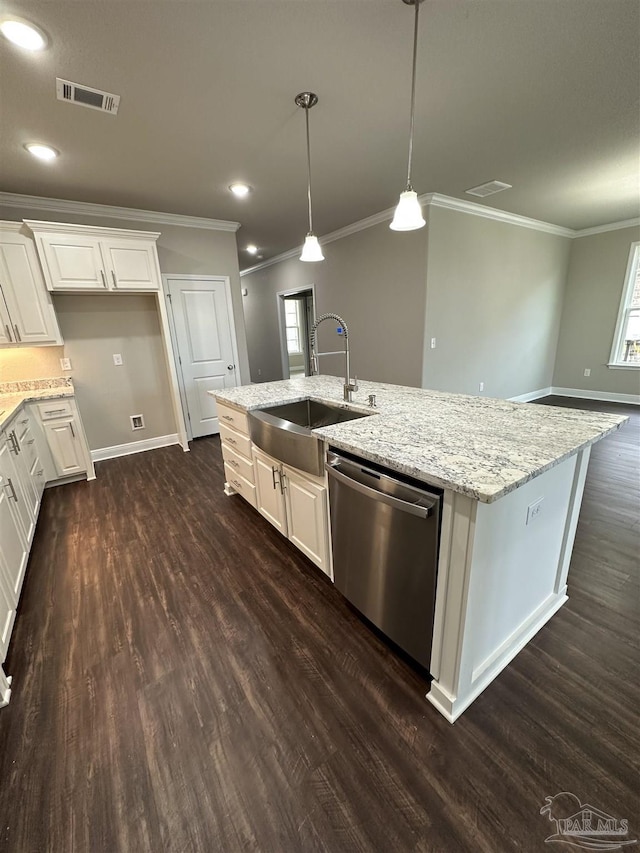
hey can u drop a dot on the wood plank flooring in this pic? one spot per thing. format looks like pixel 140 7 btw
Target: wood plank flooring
pixel 184 680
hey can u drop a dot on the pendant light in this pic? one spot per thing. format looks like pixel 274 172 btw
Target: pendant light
pixel 408 214
pixel 311 251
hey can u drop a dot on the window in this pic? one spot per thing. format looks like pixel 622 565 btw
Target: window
pixel 626 342
pixel 293 325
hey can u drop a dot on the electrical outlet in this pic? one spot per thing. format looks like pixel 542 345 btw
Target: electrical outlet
pixel 433 343
pixel 65 364
pixel 587 371
pixel 481 386
pixel 117 359
pixel 259 372
pixel 534 510
pixel 137 421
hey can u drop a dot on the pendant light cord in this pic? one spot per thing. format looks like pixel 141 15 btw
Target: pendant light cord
pixel 306 115
pixel 413 94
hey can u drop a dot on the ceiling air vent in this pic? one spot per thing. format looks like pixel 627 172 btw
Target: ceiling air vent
pixel 95 99
pixel 489 188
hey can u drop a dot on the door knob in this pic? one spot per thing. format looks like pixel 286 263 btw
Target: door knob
pixel 230 366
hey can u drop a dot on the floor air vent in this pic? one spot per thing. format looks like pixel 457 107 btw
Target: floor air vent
pixel 84 96
pixel 489 188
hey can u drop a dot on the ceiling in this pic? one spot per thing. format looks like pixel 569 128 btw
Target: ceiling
pixel 541 94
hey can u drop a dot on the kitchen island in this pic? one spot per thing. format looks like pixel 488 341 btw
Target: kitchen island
pixel 513 476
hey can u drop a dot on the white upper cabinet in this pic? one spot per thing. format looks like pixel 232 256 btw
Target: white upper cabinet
pixel 26 310
pixel 84 258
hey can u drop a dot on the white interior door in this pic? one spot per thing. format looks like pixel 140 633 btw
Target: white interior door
pixel 203 327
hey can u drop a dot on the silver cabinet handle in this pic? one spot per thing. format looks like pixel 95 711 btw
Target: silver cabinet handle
pixel 8 330
pixel 227 417
pixel 30 442
pixel 283 482
pixel 104 280
pixel 234 463
pixel 273 475
pixel 231 440
pixel 237 484
pixel 13 491
pixel 25 421
pixel 55 412
pixel 115 280
pixel 19 339
pixel 40 472
pixel 71 428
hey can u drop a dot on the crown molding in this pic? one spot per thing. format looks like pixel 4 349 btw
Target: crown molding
pixel 85 208
pixel 613 226
pixel 40 227
pixel 475 209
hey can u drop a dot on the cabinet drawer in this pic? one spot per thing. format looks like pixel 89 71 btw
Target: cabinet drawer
pixel 235 440
pixel 55 409
pixel 239 464
pixel 233 418
pixel 242 486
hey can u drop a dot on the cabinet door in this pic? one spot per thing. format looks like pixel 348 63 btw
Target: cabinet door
pixel 307 514
pixel 16 486
pixel 13 545
pixel 268 491
pixel 7 334
pixel 7 617
pixel 29 306
pixel 131 264
pixel 66 450
pixel 74 262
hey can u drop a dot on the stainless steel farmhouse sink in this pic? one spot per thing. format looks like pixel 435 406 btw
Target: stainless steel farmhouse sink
pixel 285 431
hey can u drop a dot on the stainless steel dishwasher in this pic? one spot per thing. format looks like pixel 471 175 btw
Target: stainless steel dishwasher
pixel 385 536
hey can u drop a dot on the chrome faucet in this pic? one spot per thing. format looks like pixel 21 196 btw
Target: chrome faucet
pixel 349 386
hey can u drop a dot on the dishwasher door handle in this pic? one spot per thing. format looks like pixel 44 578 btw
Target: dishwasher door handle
pixel 374 494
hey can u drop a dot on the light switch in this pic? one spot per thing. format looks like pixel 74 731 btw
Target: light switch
pixel 433 343
pixel 117 358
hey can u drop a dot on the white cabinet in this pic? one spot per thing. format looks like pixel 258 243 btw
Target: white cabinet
pixel 296 504
pixel 26 311
pixel 307 515
pixel 59 422
pixel 14 544
pixel 86 258
pixel 270 490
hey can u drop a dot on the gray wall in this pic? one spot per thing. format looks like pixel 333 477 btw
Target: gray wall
pixel 95 326
pixel 494 300
pixel 592 299
pixel 375 279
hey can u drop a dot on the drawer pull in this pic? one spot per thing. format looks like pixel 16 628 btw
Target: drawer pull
pixel 8 330
pixel 104 280
pixel 227 417
pixel 235 483
pixel 234 463
pixel 55 411
pixel 115 280
pixel 30 442
pixel 25 421
pixel 40 472
pixel 17 333
pixel 231 440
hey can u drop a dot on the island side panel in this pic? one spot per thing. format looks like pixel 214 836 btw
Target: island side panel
pixel 500 580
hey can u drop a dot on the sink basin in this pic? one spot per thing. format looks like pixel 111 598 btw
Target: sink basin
pixel 285 431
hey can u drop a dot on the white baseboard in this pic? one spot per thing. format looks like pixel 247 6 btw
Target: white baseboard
pixel 604 396
pixel 133 447
pixel 580 393
pixel 532 395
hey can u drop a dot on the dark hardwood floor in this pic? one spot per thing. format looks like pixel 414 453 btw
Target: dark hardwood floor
pixel 184 680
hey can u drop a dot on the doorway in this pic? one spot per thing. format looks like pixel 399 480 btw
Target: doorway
pixel 296 313
pixel 204 343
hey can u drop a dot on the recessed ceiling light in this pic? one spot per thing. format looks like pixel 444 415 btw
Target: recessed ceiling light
pixel 253 250
pixel 23 34
pixel 240 190
pixel 42 152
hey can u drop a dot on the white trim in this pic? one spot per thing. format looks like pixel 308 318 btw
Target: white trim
pixel 475 209
pixel 612 226
pixel 428 199
pixel 103 453
pixel 82 208
pixel 39 226
pixel 617 366
pixel 284 354
pixel 603 396
pixel 625 299
pixel 5 688
pixel 532 395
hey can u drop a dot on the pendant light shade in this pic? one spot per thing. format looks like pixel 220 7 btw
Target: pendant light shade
pixel 311 251
pixel 408 214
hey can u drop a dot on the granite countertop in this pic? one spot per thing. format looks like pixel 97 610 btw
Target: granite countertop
pixel 14 394
pixel 479 446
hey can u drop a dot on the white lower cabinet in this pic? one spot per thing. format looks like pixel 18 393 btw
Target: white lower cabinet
pixel 14 515
pixel 296 504
pixel 65 446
